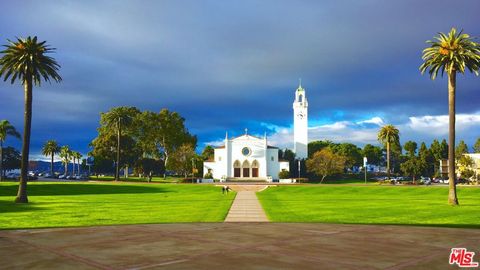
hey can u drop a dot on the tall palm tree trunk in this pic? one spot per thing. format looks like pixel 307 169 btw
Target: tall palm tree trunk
pixel 452 190
pixel 51 165
pixel 22 188
pixel 1 161
pixel 117 168
pixel 388 160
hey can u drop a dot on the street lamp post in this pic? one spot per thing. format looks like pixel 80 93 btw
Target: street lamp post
pixel 193 171
pixel 365 167
pixel 299 164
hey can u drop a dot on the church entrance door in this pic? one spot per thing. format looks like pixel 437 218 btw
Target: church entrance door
pixel 236 169
pixel 254 172
pixel 255 168
pixel 245 169
pixel 246 172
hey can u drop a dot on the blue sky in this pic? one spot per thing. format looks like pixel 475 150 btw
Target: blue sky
pixel 230 65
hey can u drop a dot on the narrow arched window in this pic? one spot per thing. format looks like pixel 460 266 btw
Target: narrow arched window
pixel 300 98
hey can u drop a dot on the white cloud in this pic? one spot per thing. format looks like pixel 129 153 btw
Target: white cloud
pixel 438 124
pixel 417 128
pixel 375 120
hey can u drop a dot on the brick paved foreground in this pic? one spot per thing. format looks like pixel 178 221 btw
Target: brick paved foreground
pixel 235 246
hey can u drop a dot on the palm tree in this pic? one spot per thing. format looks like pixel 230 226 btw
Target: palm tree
pixel 65 155
pixel 451 53
pixel 76 156
pixel 5 129
pixel 117 119
pixel 79 158
pixel 388 135
pixel 72 155
pixel 25 59
pixel 50 148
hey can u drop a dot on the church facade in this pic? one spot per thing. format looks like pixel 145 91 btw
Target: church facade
pixel 245 157
pixel 249 157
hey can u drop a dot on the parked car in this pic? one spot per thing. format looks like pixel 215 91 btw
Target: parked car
pixel 29 177
pixel 12 175
pixel 62 176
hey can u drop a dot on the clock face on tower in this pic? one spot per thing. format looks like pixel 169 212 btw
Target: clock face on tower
pixel 301 115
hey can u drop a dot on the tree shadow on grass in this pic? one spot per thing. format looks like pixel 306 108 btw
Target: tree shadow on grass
pixel 11 207
pixel 52 189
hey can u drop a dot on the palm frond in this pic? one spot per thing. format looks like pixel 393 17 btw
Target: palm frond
pixel 25 59
pixel 452 52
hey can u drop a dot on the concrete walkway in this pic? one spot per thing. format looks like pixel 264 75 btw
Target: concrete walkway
pixel 246 207
pixel 206 246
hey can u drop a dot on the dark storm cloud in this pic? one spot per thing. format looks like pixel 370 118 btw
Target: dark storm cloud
pixel 225 65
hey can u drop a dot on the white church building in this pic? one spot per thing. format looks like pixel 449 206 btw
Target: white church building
pixel 251 158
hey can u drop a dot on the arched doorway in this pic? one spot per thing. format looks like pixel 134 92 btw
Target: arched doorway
pixel 236 168
pixel 246 169
pixel 255 168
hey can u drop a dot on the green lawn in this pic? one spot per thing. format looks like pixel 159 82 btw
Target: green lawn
pixel 409 205
pixel 86 204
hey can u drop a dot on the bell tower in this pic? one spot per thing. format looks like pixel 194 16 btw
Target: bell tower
pixel 300 123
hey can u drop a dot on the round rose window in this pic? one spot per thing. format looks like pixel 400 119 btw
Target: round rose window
pixel 246 151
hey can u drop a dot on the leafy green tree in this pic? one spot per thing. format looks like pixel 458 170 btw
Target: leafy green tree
pixel 373 154
pixel 426 155
pixel 461 149
pixel 148 167
pixel 50 148
pixel 411 148
pixel 444 148
pixel 182 159
pixel 414 167
pixel 389 135
pixel 316 146
pixel 465 164
pixel 353 154
pixel 436 150
pixel 451 53
pixel 25 59
pixel 119 119
pixel 325 162
pixel 6 129
pixel 172 134
pixel 289 155
pixel 208 153
pixel 476 146
pixel 102 164
pixel 148 130
pixel 284 174
pixel 66 156
pixel 105 146
pixel 11 159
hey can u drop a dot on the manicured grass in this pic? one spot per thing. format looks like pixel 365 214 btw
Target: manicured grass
pixel 155 179
pixel 411 205
pixel 87 204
